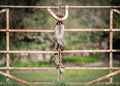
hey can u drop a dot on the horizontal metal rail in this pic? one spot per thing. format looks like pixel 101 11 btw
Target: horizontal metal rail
pixel 68 30
pixel 65 51
pixel 85 83
pixel 73 7
pixel 72 83
pixel 53 68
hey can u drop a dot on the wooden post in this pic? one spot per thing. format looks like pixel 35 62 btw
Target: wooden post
pixel 111 44
pixel 7 43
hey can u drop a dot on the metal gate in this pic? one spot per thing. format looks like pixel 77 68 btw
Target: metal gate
pixel 8 30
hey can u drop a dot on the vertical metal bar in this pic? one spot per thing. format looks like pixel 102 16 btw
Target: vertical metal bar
pixel 59 57
pixel 60 62
pixel 7 43
pixel 58 7
pixel 111 44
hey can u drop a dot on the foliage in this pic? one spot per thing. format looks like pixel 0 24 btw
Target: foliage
pixel 76 59
pixel 27 45
pixel 61 83
pixel 11 83
pixel 40 19
pixel 31 64
pixel 69 59
pixel 68 76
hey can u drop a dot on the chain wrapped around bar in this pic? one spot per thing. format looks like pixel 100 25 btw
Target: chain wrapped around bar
pixel 59 33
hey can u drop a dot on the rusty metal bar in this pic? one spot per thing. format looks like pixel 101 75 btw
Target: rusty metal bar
pixel 85 83
pixel 8 51
pixel 2 11
pixel 14 78
pixel 65 51
pixel 73 7
pixel 91 68
pixel 111 44
pixel 42 83
pixel 71 83
pixel 68 30
pixel 7 43
pixel 115 29
pixel 25 30
pixel 58 18
pixel 104 77
pixel 116 11
pixel 52 68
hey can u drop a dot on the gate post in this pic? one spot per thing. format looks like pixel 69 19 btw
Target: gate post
pixel 7 43
pixel 111 44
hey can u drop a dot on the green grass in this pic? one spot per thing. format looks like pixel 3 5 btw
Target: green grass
pixel 27 45
pixel 65 59
pixel 32 64
pixel 52 76
pixel 11 83
pixel 87 59
pixel 68 75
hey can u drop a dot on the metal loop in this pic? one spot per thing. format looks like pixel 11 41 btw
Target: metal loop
pixel 56 17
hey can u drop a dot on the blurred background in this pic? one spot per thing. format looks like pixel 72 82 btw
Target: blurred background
pixel 41 19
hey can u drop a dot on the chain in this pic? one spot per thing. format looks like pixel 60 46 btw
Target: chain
pixel 59 32
pixel 59 48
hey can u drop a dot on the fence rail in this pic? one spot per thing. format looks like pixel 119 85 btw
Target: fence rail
pixel 66 68
pixel 71 7
pixel 65 51
pixel 67 30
